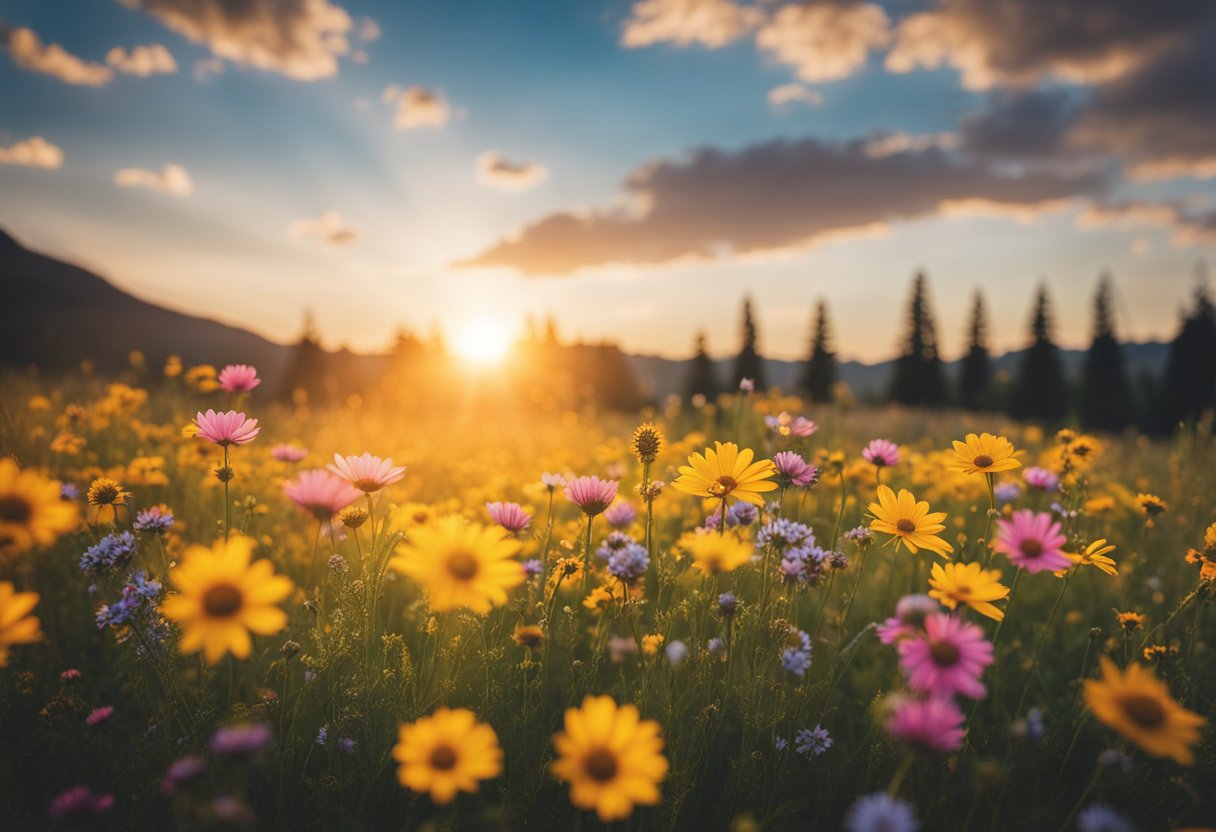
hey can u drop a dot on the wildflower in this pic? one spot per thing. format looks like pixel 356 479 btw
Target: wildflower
pixel 367 473
pixel 796 657
pixel 793 471
pixel 77 806
pixel 1095 555
pixel 233 811
pixel 812 741
pixel 1116 758
pixel 17 626
pixel 322 735
pixel 347 746
pixel 1032 541
pixel 621 649
pixel 880 812
pixel 651 643
pixel 104 491
pixel 511 516
pixel 154 520
pixel 677 652
pixel 716 646
pixel 98 716
pixel 1154 651
pixel 881 453
pixel 592 494
pixel 1151 504
pixel 69 675
pixel 337 564
pixel 611 758
pixel 1139 707
pixel 909 618
pixel 353 517
pixel 970 584
pixel 629 563
pixel 320 493
pixel 620 515
pixel 742 514
pixel 860 536
pixel 109 553
pixel 723 472
pixel 747 385
pixel 238 378
pixel 984 454
pixel 554 481
pixel 182 772
pixel 527 635
pixel 240 740
pixel 650 491
pixel 783 424
pixel 1131 620
pixel 1006 492
pixel 909 522
pixel 728 604
pixel 224 429
pixel 948 659
pixel 926 725
pixel 68 491
pixel 714 554
pixel 222 595
pixel 461 565
pixel 1041 479
pixel 647 442
pixel 533 567
pixel 1098 817
pixel 783 535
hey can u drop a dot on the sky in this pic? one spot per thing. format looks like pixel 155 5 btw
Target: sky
pixel 632 168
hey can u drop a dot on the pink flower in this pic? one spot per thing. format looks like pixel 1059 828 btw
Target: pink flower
pixel 784 424
pixel 552 481
pixel 948 659
pixel 794 470
pixel 98 716
pixel 592 494
pixel 78 805
pixel 620 515
pixel 367 473
pixel 909 618
pixel 511 516
pixel 1041 479
pixel 229 428
pixel 320 493
pixel 1032 541
pixel 926 725
pixel 288 453
pixel 881 453
pixel 238 378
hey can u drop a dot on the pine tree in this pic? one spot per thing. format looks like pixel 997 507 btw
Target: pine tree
pixel 1040 392
pixel 1106 394
pixel 749 363
pixel 1189 383
pixel 975 377
pixel 919 378
pixel 702 378
pixel 819 373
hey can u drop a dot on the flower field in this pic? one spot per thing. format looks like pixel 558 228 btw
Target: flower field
pixel 217 612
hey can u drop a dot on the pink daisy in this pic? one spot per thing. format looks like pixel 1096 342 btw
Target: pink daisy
pixel 1032 541
pixel 98 715
pixel 229 428
pixel 909 618
pixel 881 453
pixel 238 378
pixel 619 515
pixel 320 493
pixel 793 470
pixel 784 424
pixel 948 659
pixel 288 453
pixel 367 473
pixel 591 494
pixel 1041 478
pixel 926 725
pixel 511 516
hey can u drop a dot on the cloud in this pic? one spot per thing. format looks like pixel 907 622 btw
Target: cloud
pixel 34 152
pixel 708 23
pixel 1190 225
pixel 207 68
pixel 142 60
pixel 417 107
pixel 29 52
pixel 495 171
pixel 301 39
pixel 771 197
pixel 368 31
pixel 171 179
pixel 825 40
pixel 790 93
pixel 329 228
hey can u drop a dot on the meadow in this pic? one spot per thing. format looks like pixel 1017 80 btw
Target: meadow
pixel 745 615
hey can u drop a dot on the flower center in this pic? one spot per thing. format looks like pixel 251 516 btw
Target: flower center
pixel 443 758
pixel 982 461
pixel 723 486
pixel 905 526
pixel 944 653
pixel 15 510
pixel 222 600
pixel 600 765
pixel 462 565
pixel 1032 548
pixel 1145 711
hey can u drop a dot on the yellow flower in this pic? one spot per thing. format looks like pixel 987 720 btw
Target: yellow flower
pixel 1151 504
pixel 652 642
pixel 612 759
pixel 1209 537
pixel 1100 505
pixel 715 553
pixel 970 584
pixel 1095 554
pixel 1131 620
pixel 445 753
pixel 173 366
pixel 527 635
pixel 568 571
pixel 909 522
pixel 1138 705
pixel 17 626
pixel 32 513
pixel 106 492
pixel 37 403
pixel 67 443
pixel 222 595
pixel 984 454
pixel 461 564
pixel 723 472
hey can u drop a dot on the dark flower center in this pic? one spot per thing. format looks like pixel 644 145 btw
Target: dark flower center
pixel 983 461
pixel 905 526
pixel 443 758
pixel 723 486
pixel 1145 711
pixel 1032 548
pixel 944 653
pixel 600 765
pixel 222 600
pixel 15 510
pixel 462 565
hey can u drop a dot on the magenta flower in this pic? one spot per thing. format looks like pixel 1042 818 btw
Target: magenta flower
pixel 621 515
pixel 288 453
pixel 78 805
pixel 949 659
pixel 926 725
pixel 783 424
pixel 367 473
pixel 181 772
pixel 238 378
pixel 909 619
pixel 320 493
pixel 511 516
pixel 229 428
pixel 1032 541
pixel 98 716
pixel 881 453
pixel 591 494
pixel 1041 478
pixel 240 740
pixel 793 470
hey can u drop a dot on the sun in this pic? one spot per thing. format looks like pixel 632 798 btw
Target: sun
pixel 482 342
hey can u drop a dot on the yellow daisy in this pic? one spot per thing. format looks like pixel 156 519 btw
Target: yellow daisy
pixel 1151 504
pixel 17 626
pixel 723 472
pixel 445 753
pixel 714 553
pixel 909 522
pixel 612 759
pixel 32 513
pixel 222 595
pixel 106 492
pixel 969 584
pixel 984 454
pixel 1095 555
pixel 1138 705
pixel 461 564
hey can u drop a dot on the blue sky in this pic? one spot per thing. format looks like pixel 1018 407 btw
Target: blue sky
pixel 268 153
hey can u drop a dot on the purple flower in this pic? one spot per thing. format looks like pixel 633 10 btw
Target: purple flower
pixel 347 746
pixel 69 491
pixel 783 535
pixel 78 805
pixel 1098 817
pixel 533 567
pixel 812 741
pixel 881 453
pixel 879 812
pixel 677 652
pixel 796 658
pixel 747 385
pixel 1041 479
pixel 741 514
pixel 240 740
pixel 629 563
pixel 153 520
pixel 110 552
pixel 620 515
pixel 860 536
pixel 1007 492
pixel 728 604
pixel 794 471
pixel 181 772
